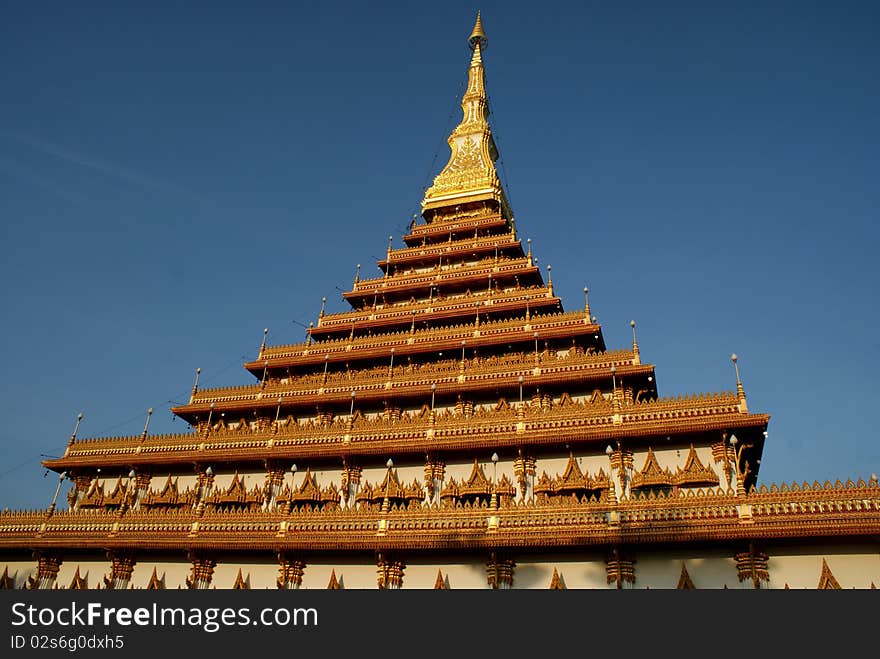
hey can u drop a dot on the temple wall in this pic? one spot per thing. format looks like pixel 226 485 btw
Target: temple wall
pixel 260 574
pixel 19 570
pixel 351 575
pixel 537 572
pixel 463 575
pixel 852 565
pixel 707 568
pixel 174 572
pixel 92 568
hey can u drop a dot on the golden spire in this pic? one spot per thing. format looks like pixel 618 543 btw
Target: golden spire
pixel 470 174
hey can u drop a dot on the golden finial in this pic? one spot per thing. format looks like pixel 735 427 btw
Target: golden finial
pixel 323 306
pixel 357 274
pixel 740 392
pixel 586 304
pixel 147 424
pixel 636 358
pixel 470 175
pixel 195 388
pixel 549 282
pixel 263 344
pixel 79 417
pixel 477 35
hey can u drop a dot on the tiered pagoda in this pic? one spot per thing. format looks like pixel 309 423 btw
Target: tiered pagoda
pixel 458 428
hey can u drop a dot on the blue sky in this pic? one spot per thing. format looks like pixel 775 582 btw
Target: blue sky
pixel 175 179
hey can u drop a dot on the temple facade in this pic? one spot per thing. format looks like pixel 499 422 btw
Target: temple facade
pixel 456 429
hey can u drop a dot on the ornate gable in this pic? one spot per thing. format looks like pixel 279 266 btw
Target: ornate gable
pixel 684 581
pixel 826 579
pixel 694 473
pixel 477 483
pixel 334 584
pixel 242 583
pixel 651 474
pixel 78 582
pixel 155 582
pixel 556 582
pixel 6 582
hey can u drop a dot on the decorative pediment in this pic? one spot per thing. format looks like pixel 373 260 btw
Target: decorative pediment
pixel 651 474
pixel 450 491
pixel 694 473
pixel 241 582
pixel 600 481
pixel 572 478
pixel 93 498
pixel 6 582
pixel 169 496
pixel 335 584
pixel 556 581
pixel 308 491
pixel 826 579
pixel 390 486
pixel 117 496
pixel 237 494
pixel 155 582
pixel 684 580
pixel 504 488
pixel 477 483
pixel 441 583
pixel 544 484
pixel 78 582
pixel 414 491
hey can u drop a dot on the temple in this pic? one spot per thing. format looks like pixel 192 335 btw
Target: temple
pixel 456 429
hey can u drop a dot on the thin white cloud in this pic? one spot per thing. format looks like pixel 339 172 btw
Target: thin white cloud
pixel 104 167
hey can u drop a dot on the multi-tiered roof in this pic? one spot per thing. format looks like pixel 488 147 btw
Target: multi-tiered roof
pixel 460 348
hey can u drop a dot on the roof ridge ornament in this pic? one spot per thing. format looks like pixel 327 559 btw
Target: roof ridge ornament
pixel 470 175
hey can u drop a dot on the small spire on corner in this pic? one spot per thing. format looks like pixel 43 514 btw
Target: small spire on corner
pixel 740 391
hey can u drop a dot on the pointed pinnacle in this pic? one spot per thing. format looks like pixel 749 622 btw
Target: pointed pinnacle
pixel 477 35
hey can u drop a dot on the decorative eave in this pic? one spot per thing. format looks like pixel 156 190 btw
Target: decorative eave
pixel 462 307
pixel 843 511
pixel 484 334
pixel 464 224
pixel 593 424
pixel 583 370
pixel 477 274
pixel 423 254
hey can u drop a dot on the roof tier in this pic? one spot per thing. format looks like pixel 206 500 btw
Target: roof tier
pixel 441 309
pixel 519 272
pixel 430 254
pixel 421 340
pixel 817 511
pixel 451 378
pixel 593 422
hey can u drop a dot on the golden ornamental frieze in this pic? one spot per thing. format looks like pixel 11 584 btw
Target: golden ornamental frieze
pixel 424 337
pixel 464 305
pixel 439 276
pixel 712 514
pixel 452 248
pixel 443 223
pixel 414 433
pixel 459 375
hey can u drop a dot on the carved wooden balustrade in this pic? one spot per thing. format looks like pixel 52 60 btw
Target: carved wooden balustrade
pixel 553 324
pixel 713 514
pixel 418 378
